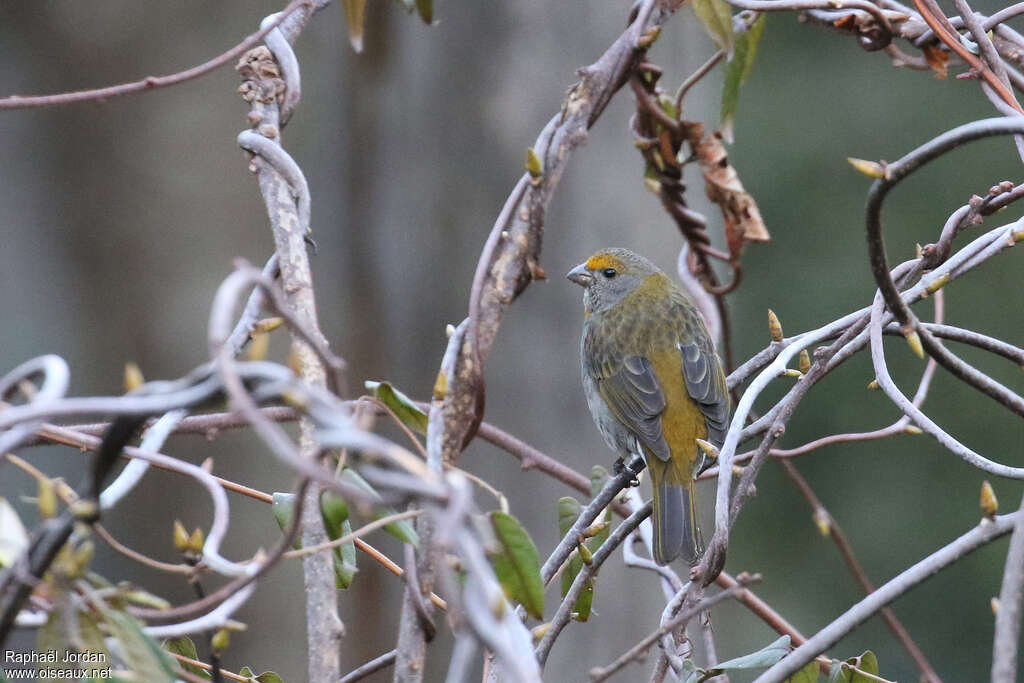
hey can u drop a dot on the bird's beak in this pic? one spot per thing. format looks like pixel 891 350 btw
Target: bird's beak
pixel 581 276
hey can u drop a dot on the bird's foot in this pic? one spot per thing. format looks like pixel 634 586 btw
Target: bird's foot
pixel 619 467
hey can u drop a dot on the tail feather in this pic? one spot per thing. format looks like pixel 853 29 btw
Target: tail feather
pixel 675 520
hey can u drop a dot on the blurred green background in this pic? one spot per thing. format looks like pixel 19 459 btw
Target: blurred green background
pixel 118 220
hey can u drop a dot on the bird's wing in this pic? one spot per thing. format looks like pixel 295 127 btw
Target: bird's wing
pixel 633 394
pixel 705 382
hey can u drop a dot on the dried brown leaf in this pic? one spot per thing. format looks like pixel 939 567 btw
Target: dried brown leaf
pixel 743 222
pixel 937 59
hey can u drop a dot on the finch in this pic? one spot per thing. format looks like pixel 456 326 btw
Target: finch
pixel 654 385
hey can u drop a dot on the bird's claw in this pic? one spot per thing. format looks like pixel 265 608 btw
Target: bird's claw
pixel 619 467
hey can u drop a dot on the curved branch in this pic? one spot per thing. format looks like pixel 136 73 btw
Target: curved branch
pixel 603 673
pixel 894 173
pixel 969 337
pixel 887 385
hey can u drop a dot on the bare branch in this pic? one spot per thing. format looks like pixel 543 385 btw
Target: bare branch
pixel 371 667
pixel 636 652
pixel 986 532
pixel 272 95
pixel 564 612
pixel 1006 641
pixel 154 82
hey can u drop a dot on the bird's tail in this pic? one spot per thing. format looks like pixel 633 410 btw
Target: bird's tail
pixel 674 516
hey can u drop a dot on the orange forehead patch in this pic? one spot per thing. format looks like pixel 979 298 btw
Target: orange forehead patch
pixel 602 260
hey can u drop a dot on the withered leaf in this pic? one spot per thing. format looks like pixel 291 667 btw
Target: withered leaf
pixel 743 222
pixel 937 59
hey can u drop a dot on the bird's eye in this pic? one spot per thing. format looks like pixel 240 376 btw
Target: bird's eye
pixel 609 273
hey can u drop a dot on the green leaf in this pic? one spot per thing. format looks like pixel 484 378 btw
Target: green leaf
pixel 269 677
pixel 568 512
pixel 517 564
pixel 764 657
pixel 55 636
pixel 282 506
pixel 144 657
pixel 356 479
pixel 740 66
pixel 584 604
pixel 843 673
pixel 690 673
pixel 402 529
pixel 808 674
pixel 265 677
pixel 13 537
pixel 400 404
pixel 426 10
pixel 598 478
pixel 668 105
pixel 595 541
pixel 334 511
pixel 344 557
pixel 355 18
pixel 91 637
pixel 186 648
pixel 139 596
pixel 716 17
pixel 867 663
pixel 52 638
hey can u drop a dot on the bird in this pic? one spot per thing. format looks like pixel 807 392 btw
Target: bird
pixel 654 385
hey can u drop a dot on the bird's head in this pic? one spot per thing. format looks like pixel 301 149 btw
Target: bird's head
pixel 609 276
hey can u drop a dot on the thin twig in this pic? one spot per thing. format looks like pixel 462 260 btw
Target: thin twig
pixel 348 538
pixel 203 665
pixel 932 14
pixel 696 76
pixel 598 674
pixel 586 573
pixel 151 82
pixel 824 519
pixel 371 667
pixel 139 557
pixel 588 514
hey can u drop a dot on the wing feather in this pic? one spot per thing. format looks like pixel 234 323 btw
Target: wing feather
pixel 705 382
pixel 635 397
